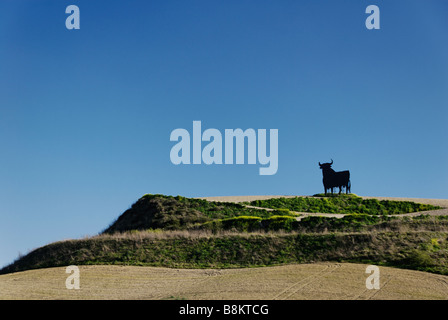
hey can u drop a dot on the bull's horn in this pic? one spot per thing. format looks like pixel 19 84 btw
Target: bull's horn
pixel 320 165
pixel 331 161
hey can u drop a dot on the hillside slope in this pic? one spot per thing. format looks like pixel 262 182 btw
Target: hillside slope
pixel 182 232
pixel 175 213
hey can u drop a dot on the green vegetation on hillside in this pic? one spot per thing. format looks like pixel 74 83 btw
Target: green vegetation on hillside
pixel 315 224
pixel 343 204
pixel 426 251
pixel 180 213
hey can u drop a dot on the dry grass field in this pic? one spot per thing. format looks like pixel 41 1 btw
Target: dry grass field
pixel 341 281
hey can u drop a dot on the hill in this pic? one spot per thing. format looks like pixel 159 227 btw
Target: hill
pixel 181 232
pixel 180 213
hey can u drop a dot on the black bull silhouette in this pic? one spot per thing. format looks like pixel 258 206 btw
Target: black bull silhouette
pixel 333 179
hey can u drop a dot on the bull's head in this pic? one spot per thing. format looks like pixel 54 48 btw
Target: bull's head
pixel 326 165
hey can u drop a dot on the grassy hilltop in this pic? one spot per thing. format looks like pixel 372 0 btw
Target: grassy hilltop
pixel 183 232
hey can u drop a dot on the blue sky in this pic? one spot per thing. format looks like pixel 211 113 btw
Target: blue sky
pixel 86 115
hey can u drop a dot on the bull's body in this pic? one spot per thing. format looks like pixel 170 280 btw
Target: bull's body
pixel 333 179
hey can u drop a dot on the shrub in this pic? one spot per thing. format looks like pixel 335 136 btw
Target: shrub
pixel 418 259
pixel 277 222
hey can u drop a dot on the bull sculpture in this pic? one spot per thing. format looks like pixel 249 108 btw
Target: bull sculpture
pixel 333 179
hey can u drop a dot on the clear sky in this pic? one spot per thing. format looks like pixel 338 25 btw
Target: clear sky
pixel 86 115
